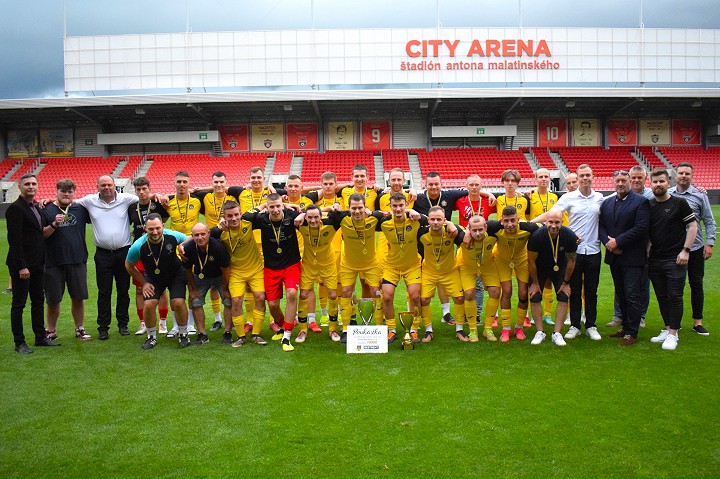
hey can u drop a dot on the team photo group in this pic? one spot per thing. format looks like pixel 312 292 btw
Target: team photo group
pixel 245 248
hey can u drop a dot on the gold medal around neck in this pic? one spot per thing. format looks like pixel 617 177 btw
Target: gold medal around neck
pixel 437 267
pixel 511 265
pixel 66 217
pixel 279 250
pixel 556 268
pixel 201 276
pixel 157 270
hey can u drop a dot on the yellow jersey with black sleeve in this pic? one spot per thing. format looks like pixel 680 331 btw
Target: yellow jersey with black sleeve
pixel 184 214
pixel 359 240
pixel 212 207
pixel 384 201
pixel 369 194
pixel 520 203
pixel 240 243
pixel 437 249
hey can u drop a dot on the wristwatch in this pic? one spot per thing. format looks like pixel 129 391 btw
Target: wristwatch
pixel 686 249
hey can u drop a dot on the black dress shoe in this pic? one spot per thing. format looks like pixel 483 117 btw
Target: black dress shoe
pixel 103 335
pixel 124 331
pixel 23 348
pixel 46 342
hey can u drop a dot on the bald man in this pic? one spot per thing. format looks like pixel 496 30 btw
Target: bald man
pixel 108 211
pixel 207 265
pixel 551 262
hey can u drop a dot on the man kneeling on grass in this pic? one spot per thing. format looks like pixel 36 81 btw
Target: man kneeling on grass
pixel 163 270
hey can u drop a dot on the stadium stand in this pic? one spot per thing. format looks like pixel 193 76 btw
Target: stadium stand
pixel 542 155
pixel 28 165
pixel 131 167
pixel 6 165
pixel 455 165
pixel 604 162
pixel 339 162
pixel 395 159
pixel 706 162
pixel 283 160
pixel 84 171
pixel 201 166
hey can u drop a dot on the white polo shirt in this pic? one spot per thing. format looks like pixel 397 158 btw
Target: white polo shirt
pixel 111 225
pixel 583 218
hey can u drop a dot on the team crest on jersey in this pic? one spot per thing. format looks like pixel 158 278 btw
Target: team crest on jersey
pixel 552 202
pixel 408 228
pixel 152 206
pixel 211 259
pixel 489 247
pixel 325 233
pixel 447 243
pixel 169 247
pixel 244 230
pixel 192 207
pixel 368 226
pixel 443 203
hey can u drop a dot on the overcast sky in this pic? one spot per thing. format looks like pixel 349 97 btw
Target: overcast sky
pixel 32 32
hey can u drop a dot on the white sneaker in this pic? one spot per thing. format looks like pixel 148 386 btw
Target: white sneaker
pixel 660 337
pixel 162 328
pixel 593 334
pixel 142 330
pixel 642 323
pixel 301 337
pixel 191 330
pixel 539 338
pixel 172 333
pixel 567 320
pixel 615 321
pixel 572 333
pixel 558 339
pixel 670 342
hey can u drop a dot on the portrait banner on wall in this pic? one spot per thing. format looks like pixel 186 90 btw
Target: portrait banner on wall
pixel 376 135
pixel 340 135
pixel 622 132
pixel 302 136
pixel 22 143
pixel 686 132
pixel 267 136
pixel 654 132
pixel 56 142
pixel 234 138
pixel 586 132
pixel 552 132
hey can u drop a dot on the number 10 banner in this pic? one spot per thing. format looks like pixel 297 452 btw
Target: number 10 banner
pixel 552 132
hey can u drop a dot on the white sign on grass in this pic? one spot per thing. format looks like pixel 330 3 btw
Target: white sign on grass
pixel 367 339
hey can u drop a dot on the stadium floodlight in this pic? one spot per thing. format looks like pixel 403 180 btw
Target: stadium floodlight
pixel 696 104
pixel 139 111
pixel 570 104
pixel 423 104
pixel 287 107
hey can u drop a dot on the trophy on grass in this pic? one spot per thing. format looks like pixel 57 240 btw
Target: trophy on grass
pixel 365 309
pixel 406 319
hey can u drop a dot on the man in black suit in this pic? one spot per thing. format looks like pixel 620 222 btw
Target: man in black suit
pixel 623 229
pixel 26 262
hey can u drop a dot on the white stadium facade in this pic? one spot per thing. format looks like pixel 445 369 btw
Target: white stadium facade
pixel 453 100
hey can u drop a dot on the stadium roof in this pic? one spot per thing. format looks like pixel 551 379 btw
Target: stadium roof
pixel 452 105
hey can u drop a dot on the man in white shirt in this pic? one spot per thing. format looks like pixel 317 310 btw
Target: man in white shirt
pixel 583 207
pixel 109 217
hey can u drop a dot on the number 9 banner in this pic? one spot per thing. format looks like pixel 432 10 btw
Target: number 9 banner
pixel 376 135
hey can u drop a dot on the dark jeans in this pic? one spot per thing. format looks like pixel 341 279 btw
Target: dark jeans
pixel 587 272
pixel 696 272
pixel 668 280
pixel 630 286
pixel 21 289
pixel 109 265
pixel 645 298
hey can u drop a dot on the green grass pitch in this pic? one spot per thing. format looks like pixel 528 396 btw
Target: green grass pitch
pixel 591 409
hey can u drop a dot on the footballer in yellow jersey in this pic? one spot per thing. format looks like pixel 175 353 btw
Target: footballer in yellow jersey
pixel 246 270
pixel 510 180
pixel 184 210
pixel 510 256
pixel 358 255
pixel 319 263
pixel 360 178
pixel 402 261
pixel 436 244
pixel 474 258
